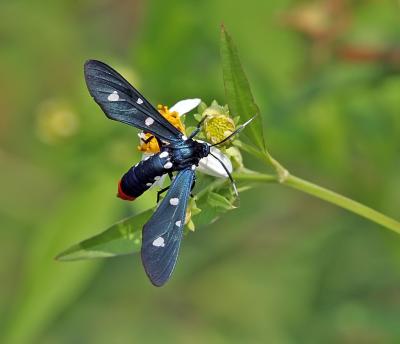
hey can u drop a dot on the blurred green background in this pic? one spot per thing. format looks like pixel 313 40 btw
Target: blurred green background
pixel 284 267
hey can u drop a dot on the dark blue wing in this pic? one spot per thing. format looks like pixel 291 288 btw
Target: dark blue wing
pixel 120 101
pixel 162 234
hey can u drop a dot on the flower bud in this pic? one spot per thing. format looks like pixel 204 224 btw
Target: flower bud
pixel 218 124
pixel 235 156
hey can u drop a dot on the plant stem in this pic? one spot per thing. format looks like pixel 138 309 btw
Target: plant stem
pixel 326 195
pixel 343 202
pixel 255 177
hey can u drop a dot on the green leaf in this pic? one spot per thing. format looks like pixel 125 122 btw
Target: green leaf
pixel 201 108
pixel 190 130
pixel 238 93
pixel 218 201
pixel 124 237
pixel 197 117
pixel 212 206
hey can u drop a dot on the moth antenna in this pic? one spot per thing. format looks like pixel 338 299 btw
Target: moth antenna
pixel 237 131
pixel 228 173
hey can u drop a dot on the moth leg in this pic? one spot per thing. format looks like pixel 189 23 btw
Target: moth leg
pixel 193 184
pixel 160 143
pixel 148 139
pixel 159 193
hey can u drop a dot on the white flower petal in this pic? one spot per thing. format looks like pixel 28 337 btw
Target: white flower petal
pixel 211 166
pixel 185 106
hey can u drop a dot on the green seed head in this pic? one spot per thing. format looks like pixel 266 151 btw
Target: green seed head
pixel 218 124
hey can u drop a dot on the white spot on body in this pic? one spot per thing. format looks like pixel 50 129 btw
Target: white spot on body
pixel 178 223
pixel 149 121
pixel 139 101
pixel 164 154
pixel 113 97
pixel 159 242
pixel 184 137
pixel 174 201
pixel 168 165
pixel 146 158
pixel 193 167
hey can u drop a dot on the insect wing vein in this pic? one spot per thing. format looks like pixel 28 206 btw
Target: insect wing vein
pixel 162 234
pixel 120 101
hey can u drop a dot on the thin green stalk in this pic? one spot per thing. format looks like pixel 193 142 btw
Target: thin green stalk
pixel 326 195
pixel 255 177
pixel 343 202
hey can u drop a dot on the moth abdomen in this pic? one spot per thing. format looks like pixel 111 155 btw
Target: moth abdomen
pixel 142 176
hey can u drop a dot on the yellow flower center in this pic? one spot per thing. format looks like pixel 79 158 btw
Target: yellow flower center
pixel 172 117
pixel 218 127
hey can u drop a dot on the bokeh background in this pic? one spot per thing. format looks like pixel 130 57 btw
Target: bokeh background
pixel 284 267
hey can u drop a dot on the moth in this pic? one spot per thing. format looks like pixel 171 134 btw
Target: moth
pixel 178 157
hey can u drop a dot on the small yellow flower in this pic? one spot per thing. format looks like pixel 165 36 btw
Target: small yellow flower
pixel 172 115
pixel 218 124
pixel 218 127
pixel 152 145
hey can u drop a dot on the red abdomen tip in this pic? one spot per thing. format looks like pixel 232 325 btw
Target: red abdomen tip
pixel 123 195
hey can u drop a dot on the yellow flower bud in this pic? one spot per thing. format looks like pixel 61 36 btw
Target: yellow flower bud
pixel 218 127
pixel 218 124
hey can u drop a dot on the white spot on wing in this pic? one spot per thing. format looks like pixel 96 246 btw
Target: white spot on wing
pixel 193 167
pixel 174 201
pixel 139 101
pixel 164 154
pixel 113 97
pixel 184 137
pixel 178 223
pixel 149 121
pixel 149 184
pixel 159 242
pixel 168 165
pixel 157 177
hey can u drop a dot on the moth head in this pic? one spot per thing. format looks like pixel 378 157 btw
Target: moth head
pixel 203 148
